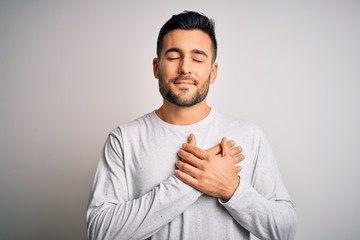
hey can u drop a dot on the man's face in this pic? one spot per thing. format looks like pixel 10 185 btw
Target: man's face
pixel 185 67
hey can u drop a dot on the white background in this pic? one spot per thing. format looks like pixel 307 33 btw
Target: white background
pixel 71 72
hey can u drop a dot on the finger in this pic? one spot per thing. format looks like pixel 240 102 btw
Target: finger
pixel 238 158
pixel 235 151
pixel 186 178
pixel 189 158
pixel 238 168
pixel 225 148
pixel 192 139
pixel 215 150
pixel 197 152
pixel 187 168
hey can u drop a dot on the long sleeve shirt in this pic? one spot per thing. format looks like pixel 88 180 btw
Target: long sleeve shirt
pixel 135 194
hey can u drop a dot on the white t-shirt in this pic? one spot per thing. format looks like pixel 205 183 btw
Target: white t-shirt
pixel 135 194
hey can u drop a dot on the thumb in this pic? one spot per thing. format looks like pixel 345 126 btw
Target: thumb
pixel 224 147
pixel 192 139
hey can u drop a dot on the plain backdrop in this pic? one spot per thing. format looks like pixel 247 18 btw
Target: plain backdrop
pixel 71 71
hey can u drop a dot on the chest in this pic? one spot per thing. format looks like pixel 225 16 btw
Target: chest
pixel 150 159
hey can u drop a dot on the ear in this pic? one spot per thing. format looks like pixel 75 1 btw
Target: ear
pixel 213 73
pixel 156 67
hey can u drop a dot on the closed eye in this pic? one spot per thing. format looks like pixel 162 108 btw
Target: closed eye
pixel 198 60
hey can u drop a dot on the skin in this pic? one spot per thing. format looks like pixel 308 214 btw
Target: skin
pixel 180 57
pixel 185 69
pixel 214 175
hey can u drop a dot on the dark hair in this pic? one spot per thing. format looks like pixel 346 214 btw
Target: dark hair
pixel 188 20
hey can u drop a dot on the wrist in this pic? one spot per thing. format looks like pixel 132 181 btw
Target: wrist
pixel 231 189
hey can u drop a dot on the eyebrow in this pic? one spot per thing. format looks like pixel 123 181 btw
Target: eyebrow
pixel 173 50
pixel 196 51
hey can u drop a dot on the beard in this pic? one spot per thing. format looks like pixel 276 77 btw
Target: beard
pixel 183 99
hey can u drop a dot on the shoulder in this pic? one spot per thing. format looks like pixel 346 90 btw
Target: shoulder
pixel 134 127
pixel 135 124
pixel 231 122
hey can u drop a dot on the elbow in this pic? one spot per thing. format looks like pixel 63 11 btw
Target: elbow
pixel 103 226
pixel 291 225
pixel 286 227
pixel 95 229
pixel 99 224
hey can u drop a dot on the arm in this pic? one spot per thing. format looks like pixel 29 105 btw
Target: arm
pixel 113 215
pixel 264 207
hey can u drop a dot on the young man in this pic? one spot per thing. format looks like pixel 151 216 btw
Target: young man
pixel 171 174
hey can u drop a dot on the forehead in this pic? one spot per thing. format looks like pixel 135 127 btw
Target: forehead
pixel 187 40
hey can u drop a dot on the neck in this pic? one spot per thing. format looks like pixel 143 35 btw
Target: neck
pixel 176 115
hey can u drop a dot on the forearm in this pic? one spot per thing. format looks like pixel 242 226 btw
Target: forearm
pixel 142 217
pixel 266 219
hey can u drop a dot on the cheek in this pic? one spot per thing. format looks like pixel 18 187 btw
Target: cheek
pixel 204 72
pixel 169 70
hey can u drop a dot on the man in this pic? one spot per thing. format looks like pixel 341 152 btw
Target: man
pixel 171 174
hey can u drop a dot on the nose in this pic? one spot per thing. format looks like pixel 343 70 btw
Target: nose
pixel 185 66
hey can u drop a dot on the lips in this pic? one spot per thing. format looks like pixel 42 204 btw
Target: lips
pixel 185 81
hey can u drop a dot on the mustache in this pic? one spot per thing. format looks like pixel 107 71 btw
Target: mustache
pixel 185 78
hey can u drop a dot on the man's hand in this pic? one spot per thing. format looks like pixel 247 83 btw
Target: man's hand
pixel 211 171
pixel 216 150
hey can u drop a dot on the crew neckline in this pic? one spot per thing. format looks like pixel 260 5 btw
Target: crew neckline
pixel 198 124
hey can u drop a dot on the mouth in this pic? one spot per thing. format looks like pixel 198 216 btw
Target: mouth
pixel 184 82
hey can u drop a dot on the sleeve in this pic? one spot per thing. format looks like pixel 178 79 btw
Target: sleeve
pixel 112 215
pixel 263 207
